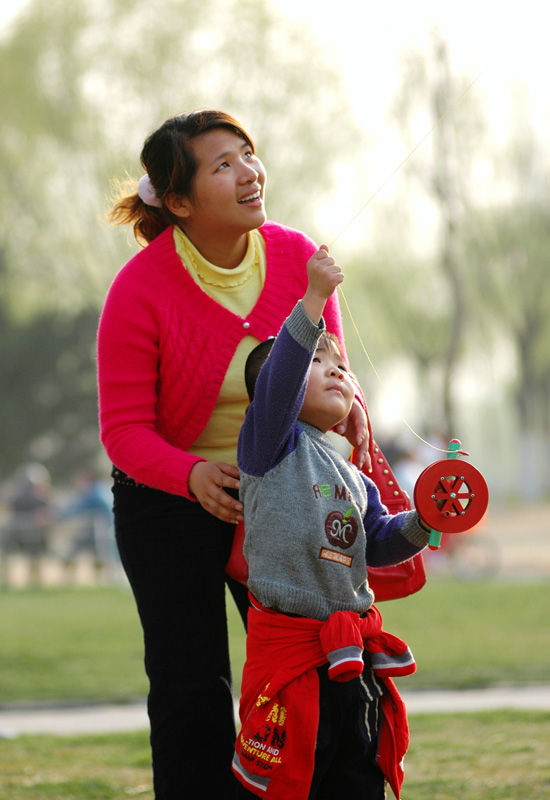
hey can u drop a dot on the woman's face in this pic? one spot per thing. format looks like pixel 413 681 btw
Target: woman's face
pixel 228 190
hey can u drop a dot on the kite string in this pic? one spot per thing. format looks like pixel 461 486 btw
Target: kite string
pixel 418 436
pixel 352 220
pixel 402 163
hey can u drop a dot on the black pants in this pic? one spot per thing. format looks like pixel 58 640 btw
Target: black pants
pixel 347 741
pixel 174 553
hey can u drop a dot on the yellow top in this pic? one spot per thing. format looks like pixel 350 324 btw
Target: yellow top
pixel 237 290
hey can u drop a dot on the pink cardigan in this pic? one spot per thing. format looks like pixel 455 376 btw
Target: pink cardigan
pixel 164 347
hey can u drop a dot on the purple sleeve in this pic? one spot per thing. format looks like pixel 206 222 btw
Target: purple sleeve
pixel 269 431
pixel 385 544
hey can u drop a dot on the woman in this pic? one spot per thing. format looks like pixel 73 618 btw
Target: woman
pixel 179 321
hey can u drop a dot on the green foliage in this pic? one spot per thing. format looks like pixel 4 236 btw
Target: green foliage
pixel 509 259
pixel 430 88
pixel 414 321
pixel 48 404
pixel 87 82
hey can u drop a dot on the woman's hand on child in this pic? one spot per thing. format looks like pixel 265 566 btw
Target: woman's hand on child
pixel 206 482
pixel 354 427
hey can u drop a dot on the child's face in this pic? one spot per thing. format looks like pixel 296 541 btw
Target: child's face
pixel 330 390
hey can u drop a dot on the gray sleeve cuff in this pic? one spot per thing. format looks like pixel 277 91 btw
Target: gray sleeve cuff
pixel 302 329
pixel 413 531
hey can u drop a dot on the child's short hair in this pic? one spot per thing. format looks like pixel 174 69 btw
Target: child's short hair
pixel 259 354
pixel 326 338
pixel 254 363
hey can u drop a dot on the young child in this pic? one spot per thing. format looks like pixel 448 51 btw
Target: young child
pixel 320 714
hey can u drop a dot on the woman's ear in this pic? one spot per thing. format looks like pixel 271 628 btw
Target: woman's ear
pixel 179 206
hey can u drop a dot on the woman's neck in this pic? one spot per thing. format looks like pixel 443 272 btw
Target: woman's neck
pixel 223 252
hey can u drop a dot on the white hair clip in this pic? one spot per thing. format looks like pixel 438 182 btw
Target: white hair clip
pixel 147 193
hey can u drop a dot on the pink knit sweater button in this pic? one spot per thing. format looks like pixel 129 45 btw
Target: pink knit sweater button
pixel 246 325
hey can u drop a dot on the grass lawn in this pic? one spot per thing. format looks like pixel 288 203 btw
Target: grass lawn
pixel 86 644
pixel 70 644
pixel 466 635
pixel 484 756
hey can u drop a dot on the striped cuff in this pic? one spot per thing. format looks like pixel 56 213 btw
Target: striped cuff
pixel 302 329
pixel 345 663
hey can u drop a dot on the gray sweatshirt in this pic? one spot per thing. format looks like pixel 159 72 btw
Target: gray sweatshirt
pixel 313 521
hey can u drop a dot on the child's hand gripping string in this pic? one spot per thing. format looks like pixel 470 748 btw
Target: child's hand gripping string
pixel 324 275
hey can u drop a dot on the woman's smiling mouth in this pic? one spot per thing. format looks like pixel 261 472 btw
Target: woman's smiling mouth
pixel 250 198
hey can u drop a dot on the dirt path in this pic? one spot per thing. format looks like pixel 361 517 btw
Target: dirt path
pixel 110 719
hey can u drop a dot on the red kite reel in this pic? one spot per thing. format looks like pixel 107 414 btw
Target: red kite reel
pixel 451 496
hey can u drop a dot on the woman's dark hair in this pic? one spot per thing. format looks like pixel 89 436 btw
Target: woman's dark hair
pixel 171 165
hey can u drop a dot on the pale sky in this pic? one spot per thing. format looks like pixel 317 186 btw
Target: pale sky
pixel 506 45
pixel 8 8
pixel 510 43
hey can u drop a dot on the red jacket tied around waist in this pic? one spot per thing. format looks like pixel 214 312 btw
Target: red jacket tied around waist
pixel 279 708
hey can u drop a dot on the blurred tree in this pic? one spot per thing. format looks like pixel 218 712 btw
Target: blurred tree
pixel 509 257
pixel 48 403
pixel 417 295
pixel 431 90
pixel 82 85
pixel 406 318
pixel 484 288
pixel 510 265
pixel 421 300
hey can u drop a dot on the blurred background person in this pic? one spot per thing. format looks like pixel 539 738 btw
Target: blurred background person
pixel 91 507
pixel 28 527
